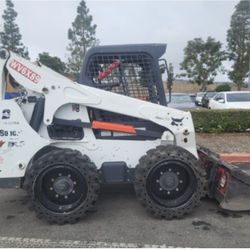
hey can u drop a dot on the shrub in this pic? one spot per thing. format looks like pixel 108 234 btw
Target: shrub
pixel 223 87
pixel 217 121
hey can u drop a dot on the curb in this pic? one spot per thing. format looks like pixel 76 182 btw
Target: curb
pixel 19 242
pixel 236 157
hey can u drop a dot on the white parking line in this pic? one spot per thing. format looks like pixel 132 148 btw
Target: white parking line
pixel 20 242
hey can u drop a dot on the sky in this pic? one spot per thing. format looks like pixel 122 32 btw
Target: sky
pixel 44 24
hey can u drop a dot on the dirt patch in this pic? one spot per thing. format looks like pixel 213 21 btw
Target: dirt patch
pixel 200 223
pixel 187 87
pixel 8 217
pixel 226 142
pixel 227 214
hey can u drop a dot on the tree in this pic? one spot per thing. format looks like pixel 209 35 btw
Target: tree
pixel 170 79
pixel 10 38
pixel 81 36
pixel 238 39
pixel 202 61
pixel 223 87
pixel 54 63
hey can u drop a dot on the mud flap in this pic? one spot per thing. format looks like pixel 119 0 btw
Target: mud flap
pixel 229 184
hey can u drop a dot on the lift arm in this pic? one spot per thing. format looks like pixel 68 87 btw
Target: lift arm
pixel 59 90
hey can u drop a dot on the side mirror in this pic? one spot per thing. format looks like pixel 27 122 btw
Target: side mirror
pixel 221 101
pixel 170 74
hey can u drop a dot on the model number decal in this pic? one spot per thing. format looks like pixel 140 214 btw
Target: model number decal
pixel 76 107
pixel 8 133
pixel 23 70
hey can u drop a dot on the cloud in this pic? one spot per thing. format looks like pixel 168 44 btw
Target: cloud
pixel 44 24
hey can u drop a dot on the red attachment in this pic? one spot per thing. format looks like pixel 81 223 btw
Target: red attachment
pixel 223 173
pixel 109 69
pixel 113 127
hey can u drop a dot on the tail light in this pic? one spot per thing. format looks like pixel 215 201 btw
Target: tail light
pixel 223 180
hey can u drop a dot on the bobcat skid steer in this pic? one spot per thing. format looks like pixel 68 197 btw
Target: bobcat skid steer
pixel 61 140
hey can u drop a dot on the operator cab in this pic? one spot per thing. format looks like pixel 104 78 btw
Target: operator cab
pixel 131 70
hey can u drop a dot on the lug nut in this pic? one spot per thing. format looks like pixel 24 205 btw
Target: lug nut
pixel 181 181
pixel 51 188
pixel 168 192
pixel 169 169
pixel 73 192
pixel 59 174
pixel 57 195
pixel 177 189
pixel 52 180
pixel 178 173
pixel 69 175
pixel 157 181
pixel 160 189
pixel 65 197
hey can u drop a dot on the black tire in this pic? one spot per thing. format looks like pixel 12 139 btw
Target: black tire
pixel 63 185
pixel 159 186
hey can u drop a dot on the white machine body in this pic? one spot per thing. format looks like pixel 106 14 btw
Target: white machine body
pixel 19 142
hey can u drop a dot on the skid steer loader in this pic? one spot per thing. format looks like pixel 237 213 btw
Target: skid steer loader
pixel 61 140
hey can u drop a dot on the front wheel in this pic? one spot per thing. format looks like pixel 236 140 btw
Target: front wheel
pixel 63 185
pixel 169 182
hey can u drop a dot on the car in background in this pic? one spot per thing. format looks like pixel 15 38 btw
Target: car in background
pixel 205 99
pixel 198 98
pixel 181 101
pixel 193 96
pixel 231 100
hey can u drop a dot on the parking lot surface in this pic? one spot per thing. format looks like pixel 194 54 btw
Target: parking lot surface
pixel 120 221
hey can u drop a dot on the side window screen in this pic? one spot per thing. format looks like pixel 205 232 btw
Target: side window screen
pixel 128 74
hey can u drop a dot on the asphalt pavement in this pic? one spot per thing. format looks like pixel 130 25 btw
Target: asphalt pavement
pixel 120 221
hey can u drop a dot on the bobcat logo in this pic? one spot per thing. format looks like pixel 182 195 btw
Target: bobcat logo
pixel 6 114
pixel 177 122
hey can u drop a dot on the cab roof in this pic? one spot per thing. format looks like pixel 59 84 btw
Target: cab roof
pixel 155 49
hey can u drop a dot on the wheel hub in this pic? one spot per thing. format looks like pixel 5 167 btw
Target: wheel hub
pixel 169 181
pixel 63 185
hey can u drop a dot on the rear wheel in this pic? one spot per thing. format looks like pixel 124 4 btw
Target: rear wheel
pixel 64 186
pixel 169 181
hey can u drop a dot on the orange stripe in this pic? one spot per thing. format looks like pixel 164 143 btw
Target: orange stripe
pixel 113 127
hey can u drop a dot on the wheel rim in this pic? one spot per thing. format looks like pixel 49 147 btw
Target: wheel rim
pixel 61 188
pixel 171 183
